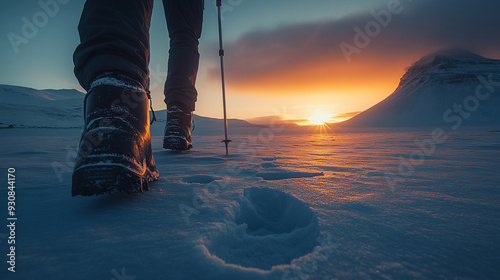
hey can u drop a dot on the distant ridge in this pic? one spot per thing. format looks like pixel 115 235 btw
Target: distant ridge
pixel 49 108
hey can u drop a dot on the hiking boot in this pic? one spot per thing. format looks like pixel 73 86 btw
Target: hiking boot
pixel 178 128
pixel 115 148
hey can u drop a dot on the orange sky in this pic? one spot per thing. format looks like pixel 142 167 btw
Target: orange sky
pixel 282 57
pixel 295 91
pixel 297 69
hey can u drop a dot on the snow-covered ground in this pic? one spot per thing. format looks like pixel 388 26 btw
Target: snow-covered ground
pixel 280 206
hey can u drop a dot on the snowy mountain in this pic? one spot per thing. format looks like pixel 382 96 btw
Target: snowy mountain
pixel 27 107
pixel 440 90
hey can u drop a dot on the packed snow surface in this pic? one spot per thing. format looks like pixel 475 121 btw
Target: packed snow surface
pixel 290 206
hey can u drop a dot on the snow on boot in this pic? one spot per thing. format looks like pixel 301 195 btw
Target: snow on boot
pixel 178 128
pixel 115 148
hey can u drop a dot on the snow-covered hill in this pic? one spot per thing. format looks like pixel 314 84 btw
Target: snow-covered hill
pixel 440 90
pixel 27 107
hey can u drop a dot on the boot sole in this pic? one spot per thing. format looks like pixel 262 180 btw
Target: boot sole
pixel 100 179
pixel 176 143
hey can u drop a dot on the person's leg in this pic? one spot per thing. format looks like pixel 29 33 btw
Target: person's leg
pixel 114 37
pixel 111 63
pixel 184 23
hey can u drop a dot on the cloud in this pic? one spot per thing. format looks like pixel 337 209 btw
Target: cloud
pixel 295 58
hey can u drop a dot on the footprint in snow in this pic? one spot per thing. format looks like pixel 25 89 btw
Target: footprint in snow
pixel 268 227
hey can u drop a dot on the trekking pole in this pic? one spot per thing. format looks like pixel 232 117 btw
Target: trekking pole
pixel 221 55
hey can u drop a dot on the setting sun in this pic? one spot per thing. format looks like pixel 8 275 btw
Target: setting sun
pixel 320 118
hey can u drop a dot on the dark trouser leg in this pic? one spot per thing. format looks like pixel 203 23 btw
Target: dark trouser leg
pixel 184 21
pixel 114 37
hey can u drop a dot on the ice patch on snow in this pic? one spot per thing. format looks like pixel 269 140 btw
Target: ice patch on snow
pixel 280 175
pixel 266 228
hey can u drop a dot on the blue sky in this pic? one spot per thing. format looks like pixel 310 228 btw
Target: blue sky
pixel 251 28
